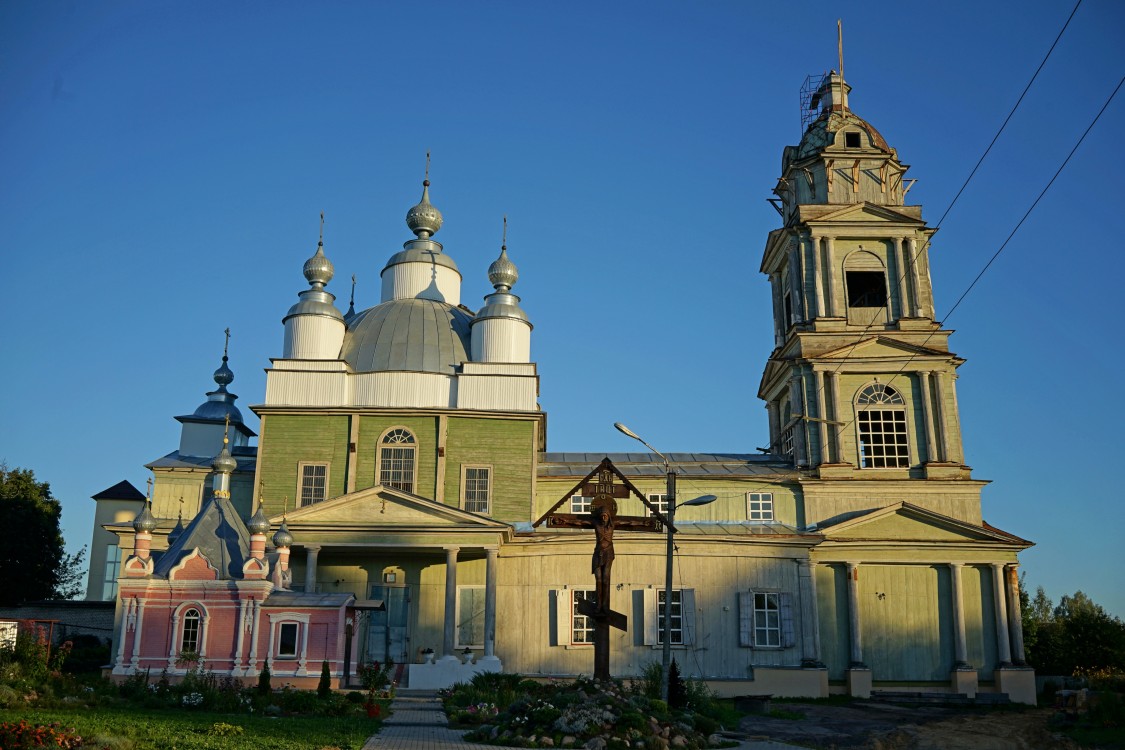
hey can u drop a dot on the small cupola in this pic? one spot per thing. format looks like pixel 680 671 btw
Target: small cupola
pixel 314 328
pixel 501 330
pixel 422 270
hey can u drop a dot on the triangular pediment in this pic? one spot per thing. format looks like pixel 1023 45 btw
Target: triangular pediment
pixel 864 213
pixel 385 507
pixel 904 522
pixel 881 347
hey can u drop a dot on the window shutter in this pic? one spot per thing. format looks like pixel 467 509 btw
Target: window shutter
pixel 562 617
pixel 651 632
pixel 687 597
pixel 746 619
pixel 786 602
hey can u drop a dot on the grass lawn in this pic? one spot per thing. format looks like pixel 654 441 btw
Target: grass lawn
pixel 140 729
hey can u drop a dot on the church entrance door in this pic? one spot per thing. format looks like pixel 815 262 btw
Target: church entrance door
pixel 388 638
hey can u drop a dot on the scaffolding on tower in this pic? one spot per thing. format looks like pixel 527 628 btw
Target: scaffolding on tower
pixel 812 98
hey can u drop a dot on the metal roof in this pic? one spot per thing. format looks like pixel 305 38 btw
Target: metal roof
pixel 650 465
pixel 417 335
pixel 245 455
pixel 220 536
pixel 123 490
pixel 301 599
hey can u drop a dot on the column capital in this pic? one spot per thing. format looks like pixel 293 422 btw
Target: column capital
pixel 312 547
pixel 998 566
pixel 491 551
pixel 956 564
pixel 451 548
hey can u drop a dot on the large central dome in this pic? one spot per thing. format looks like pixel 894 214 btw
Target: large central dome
pixel 418 335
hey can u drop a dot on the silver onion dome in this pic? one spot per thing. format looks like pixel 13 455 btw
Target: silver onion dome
pixel 318 269
pixel 224 463
pixel 424 219
pixel 283 538
pixel 259 524
pixel 224 376
pixel 503 274
pixel 144 522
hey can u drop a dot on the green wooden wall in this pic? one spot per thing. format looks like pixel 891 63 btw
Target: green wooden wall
pixel 504 444
pixel 290 439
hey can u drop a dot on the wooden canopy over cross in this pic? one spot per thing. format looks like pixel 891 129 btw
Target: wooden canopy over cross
pixel 603 492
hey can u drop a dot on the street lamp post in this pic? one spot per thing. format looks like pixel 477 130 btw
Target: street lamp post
pixel 666 631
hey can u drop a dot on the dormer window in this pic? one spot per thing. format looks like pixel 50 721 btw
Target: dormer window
pixel 851 139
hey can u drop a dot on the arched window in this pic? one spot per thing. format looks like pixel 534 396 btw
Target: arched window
pixel 396 460
pixel 189 641
pixel 881 420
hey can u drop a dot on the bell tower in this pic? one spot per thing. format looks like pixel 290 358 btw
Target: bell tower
pixel 861 382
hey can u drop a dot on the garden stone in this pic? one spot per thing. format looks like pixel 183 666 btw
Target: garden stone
pixel 567 741
pixel 595 743
pixel 659 743
pixel 547 742
pixel 679 741
pixel 715 740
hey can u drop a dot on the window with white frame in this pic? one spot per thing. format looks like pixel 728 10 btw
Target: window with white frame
pixel 681 616
pixel 881 421
pixel 660 501
pixel 470 616
pixel 581 626
pixel 765 619
pixel 396 460
pixel 313 486
pixel 759 506
pixel 580 503
pixel 112 570
pixel 192 629
pixel 287 633
pixel 476 488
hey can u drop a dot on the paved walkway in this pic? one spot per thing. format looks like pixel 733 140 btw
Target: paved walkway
pixel 418 723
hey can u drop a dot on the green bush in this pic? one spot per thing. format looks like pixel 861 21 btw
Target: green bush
pixel 324 687
pixel 264 680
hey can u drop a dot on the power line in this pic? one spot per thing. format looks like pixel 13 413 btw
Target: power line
pixel 1009 117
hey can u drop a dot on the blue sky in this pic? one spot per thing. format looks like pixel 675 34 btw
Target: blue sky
pixel 164 165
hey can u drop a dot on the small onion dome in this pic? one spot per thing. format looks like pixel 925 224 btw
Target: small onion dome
pixel 224 376
pixel 503 274
pixel 224 463
pixel 318 269
pixel 144 522
pixel 259 524
pixel 283 538
pixel 424 219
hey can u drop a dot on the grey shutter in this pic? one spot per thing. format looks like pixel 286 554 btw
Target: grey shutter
pixel 746 619
pixel 651 633
pixel 687 599
pixel 786 602
pixel 562 617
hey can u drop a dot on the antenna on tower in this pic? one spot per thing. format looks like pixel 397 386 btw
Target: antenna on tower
pixel 840 52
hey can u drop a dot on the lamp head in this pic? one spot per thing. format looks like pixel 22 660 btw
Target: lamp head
pixel 626 431
pixel 701 500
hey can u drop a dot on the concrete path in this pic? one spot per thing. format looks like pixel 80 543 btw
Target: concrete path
pixel 418 723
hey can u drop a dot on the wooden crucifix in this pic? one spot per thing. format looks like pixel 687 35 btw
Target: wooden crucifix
pixel 603 492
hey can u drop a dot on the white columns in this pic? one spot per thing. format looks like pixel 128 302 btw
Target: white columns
pixel 255 616
pixel 832 303
pixel 311 553
pixel 902 282
pixel 942 417
pixel 449 634
pixel 818 281
pixel 126 610
pixel 810 622
pixel 853 616
pixel 240 641
pixel 779 322
pixel 797 403
pixel 915 280
pixel 302 663
pixel 835 379
pixel 1003 648
pixel 928 417
pixel 820 412
pixel 490 601
pixel 958 454
pixel 795 286
pixel 172 650
pixel 773 409
pixel 1015 618
pixel 960 654
pixel 138 624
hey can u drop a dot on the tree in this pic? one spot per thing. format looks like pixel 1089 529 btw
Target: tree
pixel 1076 635
pixel 31 544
